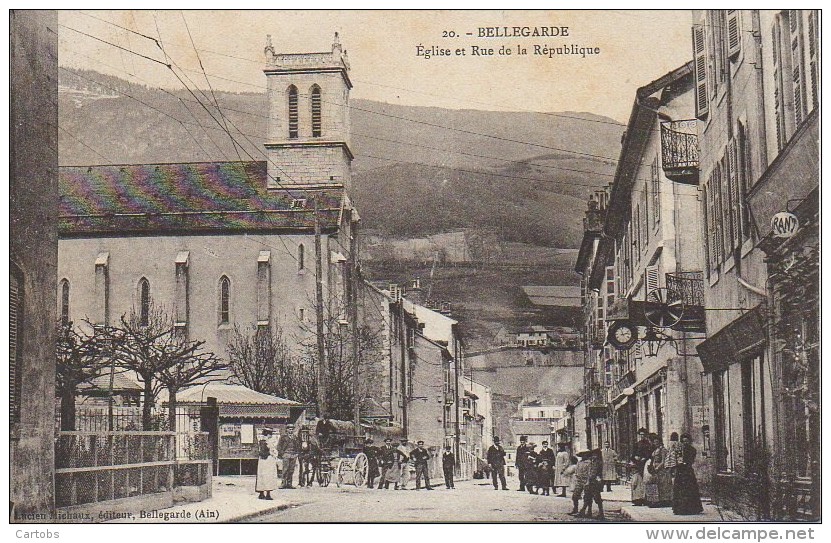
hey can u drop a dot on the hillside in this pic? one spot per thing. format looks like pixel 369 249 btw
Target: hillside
pixel 506 178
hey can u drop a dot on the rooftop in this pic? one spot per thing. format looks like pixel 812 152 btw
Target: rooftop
pixel 186 197
pixel 226 393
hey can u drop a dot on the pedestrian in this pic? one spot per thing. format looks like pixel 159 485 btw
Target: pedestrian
pixel 386 463
pixel 580 479
pixel 496 461
pixel 371 453
pixel 288 449
pixel 267 476
pixel 531 472
pixel 324 431
pixel 404 463
pixel 686 498
pixel 561 462
pixel 568 476
pixel 642 453
pixel 650 479
pixel 609 466
pixel 673 453
pixel 521 461
pixel 545 468
pixel 662 475
pixel 421 460
pixel 594 486
pixel 448 465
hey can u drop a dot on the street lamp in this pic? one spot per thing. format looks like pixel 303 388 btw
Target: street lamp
pixel 653 340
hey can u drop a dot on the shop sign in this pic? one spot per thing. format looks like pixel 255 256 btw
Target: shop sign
pixel 784 225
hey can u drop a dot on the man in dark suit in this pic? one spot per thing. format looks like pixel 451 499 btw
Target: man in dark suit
pixel 522 461
pixel 496 460
pixel 386 459
pixel 448 464
pixel 545 468
pixel 421 458
pixel 371 453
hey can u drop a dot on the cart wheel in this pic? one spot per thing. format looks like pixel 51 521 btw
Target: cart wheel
pixel 361 469
pixel 341 469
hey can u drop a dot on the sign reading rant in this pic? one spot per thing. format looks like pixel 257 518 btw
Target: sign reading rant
pixel 784 225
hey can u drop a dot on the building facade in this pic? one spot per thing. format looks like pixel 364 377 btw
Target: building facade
pixel 33 255
pixel 643 278
pixel 225 244
pixel 757 99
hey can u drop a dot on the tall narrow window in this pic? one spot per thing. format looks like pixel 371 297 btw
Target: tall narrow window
pixel 301 257
pixel 144 300
pixel 224 300
pixel 317 122
pixel 294 122
pixel 64 302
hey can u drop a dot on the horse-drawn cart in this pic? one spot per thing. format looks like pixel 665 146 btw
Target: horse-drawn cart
pixel 342 456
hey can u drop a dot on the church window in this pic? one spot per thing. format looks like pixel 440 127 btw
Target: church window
pixel 64 302
pixel 316 117
pixel 293 113
pixel 301 257
pixel 224 300
pixel 144 300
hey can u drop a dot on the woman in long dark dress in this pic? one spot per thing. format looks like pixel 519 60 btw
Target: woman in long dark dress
pixel 686 498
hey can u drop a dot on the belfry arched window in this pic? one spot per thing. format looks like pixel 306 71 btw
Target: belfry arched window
pixel 224 300
pixel 317 121
pixel 294 122
pixel 144 301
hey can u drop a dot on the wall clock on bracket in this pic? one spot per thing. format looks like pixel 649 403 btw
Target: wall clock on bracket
pixel 623 334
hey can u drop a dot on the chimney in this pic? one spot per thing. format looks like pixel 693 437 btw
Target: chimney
pixel 415 294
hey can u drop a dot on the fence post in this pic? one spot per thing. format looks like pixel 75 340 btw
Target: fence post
pixel 209 422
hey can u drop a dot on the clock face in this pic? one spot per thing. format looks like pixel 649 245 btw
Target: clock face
pixel 623 334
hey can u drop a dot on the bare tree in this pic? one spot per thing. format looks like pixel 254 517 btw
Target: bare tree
pixel 192 366
pixel 151 346
pixel 80 357
pixel 261 361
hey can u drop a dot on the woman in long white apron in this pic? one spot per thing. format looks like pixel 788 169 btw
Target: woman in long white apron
pixel 267 476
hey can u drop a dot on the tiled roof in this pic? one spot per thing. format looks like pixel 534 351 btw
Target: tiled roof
pixel 553 295
pixel 185 197
pixel 229 394
pixel 121 382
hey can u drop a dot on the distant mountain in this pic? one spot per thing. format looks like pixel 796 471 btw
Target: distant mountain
pixel 511 170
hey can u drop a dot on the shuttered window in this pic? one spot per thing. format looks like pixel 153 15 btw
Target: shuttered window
pixel 797 65
pixel 700 56
pixel 317 122
pixel 734 37
pixel 813 46
pixel 294 121
pixel 735 197
pixel 15 320
pixel 656 191
pixel 707 214
pixel 652 279
pixel 778 80
pixel 743 162
pixel 726 205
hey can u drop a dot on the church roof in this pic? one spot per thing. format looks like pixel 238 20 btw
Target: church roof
pixel 180 198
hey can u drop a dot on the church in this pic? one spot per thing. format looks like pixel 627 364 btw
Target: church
pixel 221 244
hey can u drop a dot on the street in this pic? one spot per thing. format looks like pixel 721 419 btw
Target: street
pixel 470 501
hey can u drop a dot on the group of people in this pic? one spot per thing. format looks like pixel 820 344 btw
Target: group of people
pixel 390 465
pixel 663 476
pixel 294 451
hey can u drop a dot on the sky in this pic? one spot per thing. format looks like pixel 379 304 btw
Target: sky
pixel 635 47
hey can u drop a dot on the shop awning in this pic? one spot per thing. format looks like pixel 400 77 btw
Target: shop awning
pixel 734 341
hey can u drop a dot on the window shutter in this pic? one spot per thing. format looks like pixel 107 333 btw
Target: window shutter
pixel 812 57
pixel 652 279
pixel 743 175
pixel 734 38
pixel 733 181
pixel 725 227
pixel 656 191
pixel 700 56
pixel 15 310
pixel 707 212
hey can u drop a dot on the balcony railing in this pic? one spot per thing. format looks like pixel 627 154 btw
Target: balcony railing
pixel 689 285
pixel 679 150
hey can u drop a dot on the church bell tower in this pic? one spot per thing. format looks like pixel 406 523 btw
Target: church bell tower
pixel 308 124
